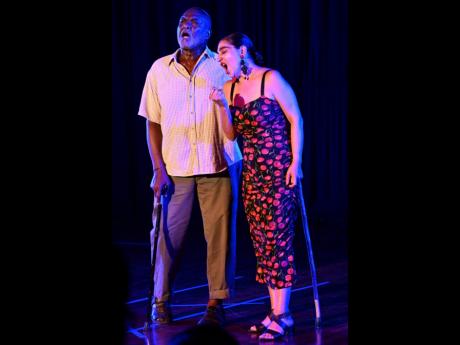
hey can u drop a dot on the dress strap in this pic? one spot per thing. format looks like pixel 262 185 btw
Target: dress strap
pixel 263 83
pixel 231 93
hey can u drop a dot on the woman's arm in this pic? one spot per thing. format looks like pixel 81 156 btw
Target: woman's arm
pixel 220 97
pixel 285 96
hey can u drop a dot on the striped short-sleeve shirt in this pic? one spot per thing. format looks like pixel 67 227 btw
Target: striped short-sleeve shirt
pixel 193 140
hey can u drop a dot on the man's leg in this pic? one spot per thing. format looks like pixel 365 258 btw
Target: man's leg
pixel 215 196
pixel 177 209
pixel 235 178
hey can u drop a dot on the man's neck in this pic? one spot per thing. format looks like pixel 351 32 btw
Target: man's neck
pixel 189 57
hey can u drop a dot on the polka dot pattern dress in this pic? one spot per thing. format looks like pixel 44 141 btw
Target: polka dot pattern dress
pixel 270 206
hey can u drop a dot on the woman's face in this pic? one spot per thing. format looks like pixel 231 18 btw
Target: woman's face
pixel 229 58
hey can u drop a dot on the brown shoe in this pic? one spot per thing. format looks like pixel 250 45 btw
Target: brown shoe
pixel 214 315
pixel 161 312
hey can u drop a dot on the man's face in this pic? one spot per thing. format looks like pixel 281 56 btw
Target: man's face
pixel 193 29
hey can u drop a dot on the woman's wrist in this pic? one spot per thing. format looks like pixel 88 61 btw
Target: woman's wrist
pixel 223 105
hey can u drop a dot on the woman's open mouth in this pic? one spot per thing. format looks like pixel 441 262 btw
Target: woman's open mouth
pixel 225 67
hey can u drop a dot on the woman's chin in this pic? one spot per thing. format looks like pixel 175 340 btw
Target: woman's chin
pixel 232 75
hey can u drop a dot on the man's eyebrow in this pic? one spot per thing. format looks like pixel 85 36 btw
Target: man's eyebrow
pixel 191 17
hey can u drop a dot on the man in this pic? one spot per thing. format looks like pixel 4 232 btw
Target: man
pixel 189 152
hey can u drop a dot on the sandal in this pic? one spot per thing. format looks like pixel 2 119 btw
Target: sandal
pixel 161 312
pixel 260 327
pixel 286 329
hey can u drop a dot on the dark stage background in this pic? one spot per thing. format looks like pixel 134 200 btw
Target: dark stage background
pixel 307 41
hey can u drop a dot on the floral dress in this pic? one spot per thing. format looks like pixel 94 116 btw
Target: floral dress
pixel 270 206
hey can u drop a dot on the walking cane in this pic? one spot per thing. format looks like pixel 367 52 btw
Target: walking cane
pixel 310 255
pixel 156 218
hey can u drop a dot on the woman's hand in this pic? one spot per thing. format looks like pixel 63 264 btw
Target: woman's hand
pixel 217 95
pixel 293 173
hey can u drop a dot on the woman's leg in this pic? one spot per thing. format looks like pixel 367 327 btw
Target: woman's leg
pixel 281 298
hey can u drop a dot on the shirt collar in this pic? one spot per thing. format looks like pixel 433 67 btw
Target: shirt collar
pixel 207 53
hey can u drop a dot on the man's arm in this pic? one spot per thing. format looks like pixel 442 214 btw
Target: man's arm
pixel 154 142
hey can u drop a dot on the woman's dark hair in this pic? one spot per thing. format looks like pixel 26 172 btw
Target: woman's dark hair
pixel 238 39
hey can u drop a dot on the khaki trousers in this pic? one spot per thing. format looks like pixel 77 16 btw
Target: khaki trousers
pixel 218 199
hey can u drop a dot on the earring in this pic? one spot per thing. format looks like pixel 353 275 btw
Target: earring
pixel 244 67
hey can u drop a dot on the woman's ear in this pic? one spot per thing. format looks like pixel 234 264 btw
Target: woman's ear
pixel 243 50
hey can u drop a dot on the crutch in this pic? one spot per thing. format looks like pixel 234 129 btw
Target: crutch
pixel 156 218
pixel 310 254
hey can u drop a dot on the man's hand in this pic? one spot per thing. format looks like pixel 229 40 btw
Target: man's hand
pixel 160 182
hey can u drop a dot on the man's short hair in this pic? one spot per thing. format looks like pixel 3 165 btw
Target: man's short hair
pixel 203 12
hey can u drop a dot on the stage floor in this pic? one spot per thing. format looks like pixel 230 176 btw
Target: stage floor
pixel 248 305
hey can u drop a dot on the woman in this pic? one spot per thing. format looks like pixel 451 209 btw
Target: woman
pixel 260 105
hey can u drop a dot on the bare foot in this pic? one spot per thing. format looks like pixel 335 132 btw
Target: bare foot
pixel 274 326
pixel 265 322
